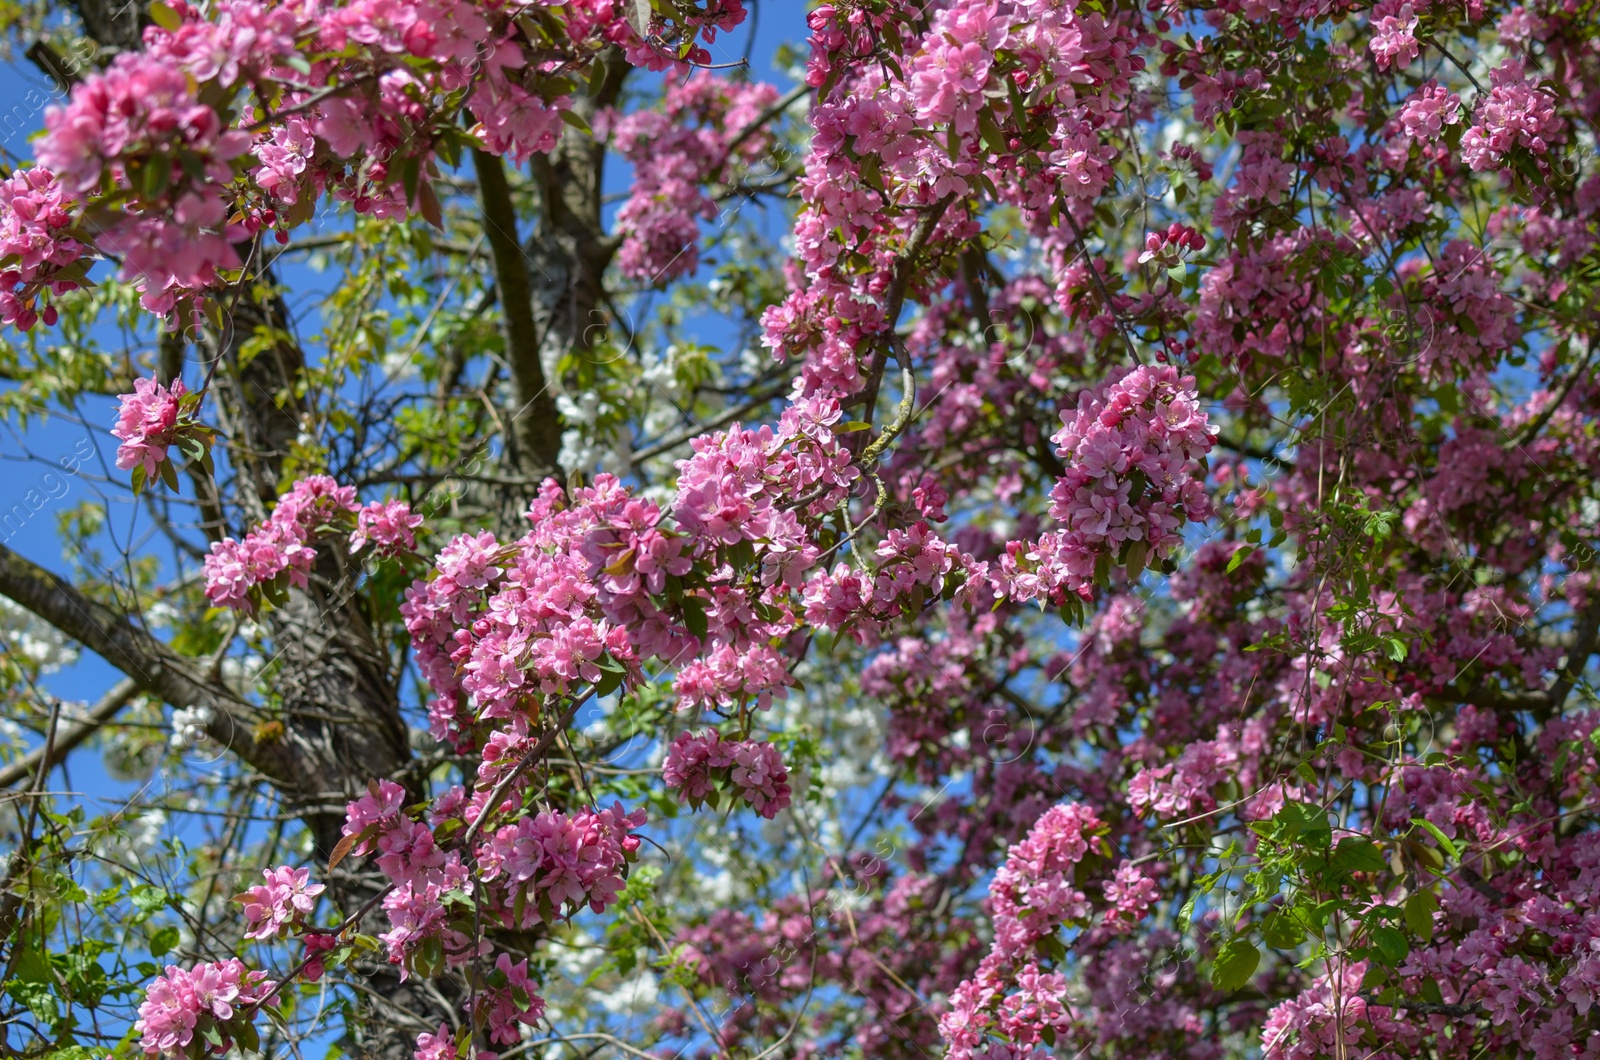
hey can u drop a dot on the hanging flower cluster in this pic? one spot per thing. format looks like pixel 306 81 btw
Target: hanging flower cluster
pixel 700 767
pixel 154 419
pixel 201 1011
pixel 280 906
pixel 38 251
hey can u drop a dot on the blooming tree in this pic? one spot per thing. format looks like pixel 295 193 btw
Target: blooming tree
pixel 1111 578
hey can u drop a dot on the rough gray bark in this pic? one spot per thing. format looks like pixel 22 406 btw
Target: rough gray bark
pixel 570 248
pixel 535 440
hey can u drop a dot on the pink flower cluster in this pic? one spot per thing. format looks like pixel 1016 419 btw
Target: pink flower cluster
pixel 509 1003
pixel 1428 110
pixel 912 140
pixel 35 249
pixel 140 111
pixel 278 553
pixel 241 40
pixel 1130 894
pixel 696 766
pixel 441 1046
pixel 151 420
pixel 915 567
pixel 675 152
pixel 423 874
pixel 1010 995
pixel 199 1011
pixel 141 123
pixel 1132 448
pixel 281 905
pixel 150 128
pixel 535 869
pixel 1516 113
pixel 563 864
pixel 389 525
pixel 317 948
pixel 1182 787
pixel 1394 24
pixel 1167 248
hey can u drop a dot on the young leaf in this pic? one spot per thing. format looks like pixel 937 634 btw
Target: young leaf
pixel 1235 963
pixel 1357 855
pixel 1420 908
pixel 1391 944
pixel 1444 841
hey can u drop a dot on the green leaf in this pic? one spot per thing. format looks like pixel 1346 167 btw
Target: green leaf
pixel 1420 908
pixel 428 205
pixel 148 900
pixel 1235 963
pixel 638 14
pixel 1240 554
pixel 694 617
pixel 1282 932
pixel 1304 823
pixel 1138 552
pixel 165 17
pixel 169 475
pixel 610 681
pixel 248 1038
pixel 1391 944
pixel 33 967
pixel 992 133
pixel 1357 855
pixel 576 120
pixel 429 958
pixel 164 941
pixel 1443 840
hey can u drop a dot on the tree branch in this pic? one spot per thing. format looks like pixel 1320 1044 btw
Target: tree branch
pixel 153 667
pixel 672 441
pixel 895 299
pixel 47 756
pixel 537 425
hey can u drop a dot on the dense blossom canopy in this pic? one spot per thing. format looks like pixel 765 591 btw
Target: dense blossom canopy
pixel 1166 456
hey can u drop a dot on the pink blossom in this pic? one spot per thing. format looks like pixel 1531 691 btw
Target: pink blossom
pixel 317 946
pixel 183 1006
pixel 34 220
pixel 696 765
pixel 278 553
pixel 510 1003
pixel 563 863
pixel 441 1046
pixel 148 423
pixel 1131 894
pixel 389 525
pixel 1393 24
pixel 1033 895
pixel 676 153
pixel 1516 113
pixel 281 904
pixel 1428 110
